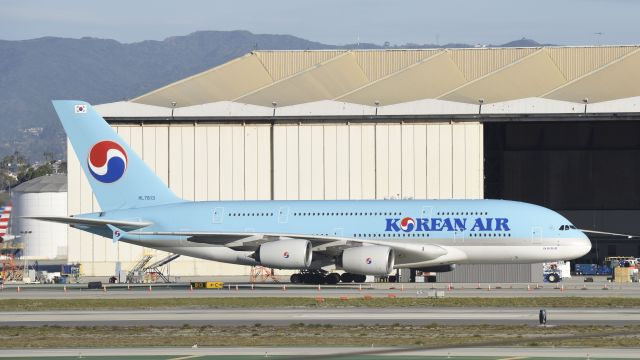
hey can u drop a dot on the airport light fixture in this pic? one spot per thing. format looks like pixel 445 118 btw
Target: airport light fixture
pixel 480 102
pixel 173 106
pixel 377 103
pixel 585 101
pixel 275 105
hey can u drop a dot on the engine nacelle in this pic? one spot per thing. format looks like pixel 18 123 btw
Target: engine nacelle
pixel 368 260
pixel 285 254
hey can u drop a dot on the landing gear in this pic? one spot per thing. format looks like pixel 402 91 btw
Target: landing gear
pixel 315 277
pixel 349 277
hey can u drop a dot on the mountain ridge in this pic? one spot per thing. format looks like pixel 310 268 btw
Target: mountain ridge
pixel 35 71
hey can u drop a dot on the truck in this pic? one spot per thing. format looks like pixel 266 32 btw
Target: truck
pixel 554 272
pixel 593 269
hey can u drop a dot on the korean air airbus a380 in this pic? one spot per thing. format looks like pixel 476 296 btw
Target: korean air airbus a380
pixel 367 237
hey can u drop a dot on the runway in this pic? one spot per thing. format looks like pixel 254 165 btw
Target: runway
pixel 120 291
pixel 344 316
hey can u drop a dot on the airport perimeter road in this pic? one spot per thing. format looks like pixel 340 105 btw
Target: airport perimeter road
pixel 348 316
pixel 80 291
pixel 327 353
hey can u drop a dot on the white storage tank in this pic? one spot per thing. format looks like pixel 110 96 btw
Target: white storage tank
pixel 43 196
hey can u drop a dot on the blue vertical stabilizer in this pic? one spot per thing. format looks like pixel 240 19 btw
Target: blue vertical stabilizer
pixel 118 176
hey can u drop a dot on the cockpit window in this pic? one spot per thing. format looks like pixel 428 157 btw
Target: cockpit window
pixel 572 227
pixel 567 227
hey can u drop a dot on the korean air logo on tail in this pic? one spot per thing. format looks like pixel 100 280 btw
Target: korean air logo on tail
pixel 107 161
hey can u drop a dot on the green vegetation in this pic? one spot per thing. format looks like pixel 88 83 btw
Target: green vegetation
pixel 319 335
pixel 283 302
pixel 16 169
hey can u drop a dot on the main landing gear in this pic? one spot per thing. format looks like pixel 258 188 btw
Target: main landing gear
pixel 324 277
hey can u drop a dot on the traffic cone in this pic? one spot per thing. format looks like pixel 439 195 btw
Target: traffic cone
pixel 65 288
pixel 284 287
pixel 360 287
pixel 128 286
pixel 489 288
pixel 528 287
pixel 18 290
pixel 319 287
pixel 150 289
pixel 401 287
pixel 562 288
pixel 478 286
pixel 104 288
pixel 253 286
pixel 191 288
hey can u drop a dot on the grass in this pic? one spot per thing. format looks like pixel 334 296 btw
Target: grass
pixel 319 335
pixel 272 302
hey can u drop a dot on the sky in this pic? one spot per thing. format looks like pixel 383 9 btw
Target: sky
pixel 337 22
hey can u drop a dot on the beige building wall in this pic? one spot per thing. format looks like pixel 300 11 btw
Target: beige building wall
pixel 310 161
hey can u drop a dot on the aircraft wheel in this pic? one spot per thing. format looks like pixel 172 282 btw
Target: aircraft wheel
pixel 296 279
pixel 360 278
pixel 317 279
pixel 332 279
pixel 346 277
pixel 553 278
pixel 306 279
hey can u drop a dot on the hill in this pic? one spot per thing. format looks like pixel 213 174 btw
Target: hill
pixel 32 72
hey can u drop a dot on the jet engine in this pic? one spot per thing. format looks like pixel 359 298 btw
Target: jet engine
pixel 285 254
pixel 368 260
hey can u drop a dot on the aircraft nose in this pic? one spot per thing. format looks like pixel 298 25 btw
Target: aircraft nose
pixel 581 245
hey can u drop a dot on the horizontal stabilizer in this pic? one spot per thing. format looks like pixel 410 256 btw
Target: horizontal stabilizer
pixel 70 220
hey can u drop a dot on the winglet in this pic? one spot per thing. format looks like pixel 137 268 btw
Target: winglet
pixel 117 233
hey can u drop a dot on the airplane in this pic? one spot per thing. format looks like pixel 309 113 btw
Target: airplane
pixel 5 215
pixel 361 237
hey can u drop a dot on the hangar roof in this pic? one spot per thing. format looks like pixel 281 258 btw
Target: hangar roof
pixel 48 183
pixel 565 74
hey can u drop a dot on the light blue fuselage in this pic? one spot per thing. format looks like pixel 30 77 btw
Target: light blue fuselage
pixel 484 231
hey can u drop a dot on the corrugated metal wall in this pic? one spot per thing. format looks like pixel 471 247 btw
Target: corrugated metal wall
pixel 310 161
pixel 493 273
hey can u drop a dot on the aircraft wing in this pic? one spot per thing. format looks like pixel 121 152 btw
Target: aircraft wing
pixel 86 223
pixel 326 245
pixel 628 236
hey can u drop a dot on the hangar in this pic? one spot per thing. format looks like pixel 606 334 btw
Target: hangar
pixel 555 126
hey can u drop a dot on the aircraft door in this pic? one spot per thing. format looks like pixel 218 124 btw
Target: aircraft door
pixel 458 237
pixel 536 235
pixel 283 215
pixel 218 215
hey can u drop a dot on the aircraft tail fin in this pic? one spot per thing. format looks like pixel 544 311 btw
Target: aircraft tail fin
pixel 118 176
pixel 5 214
